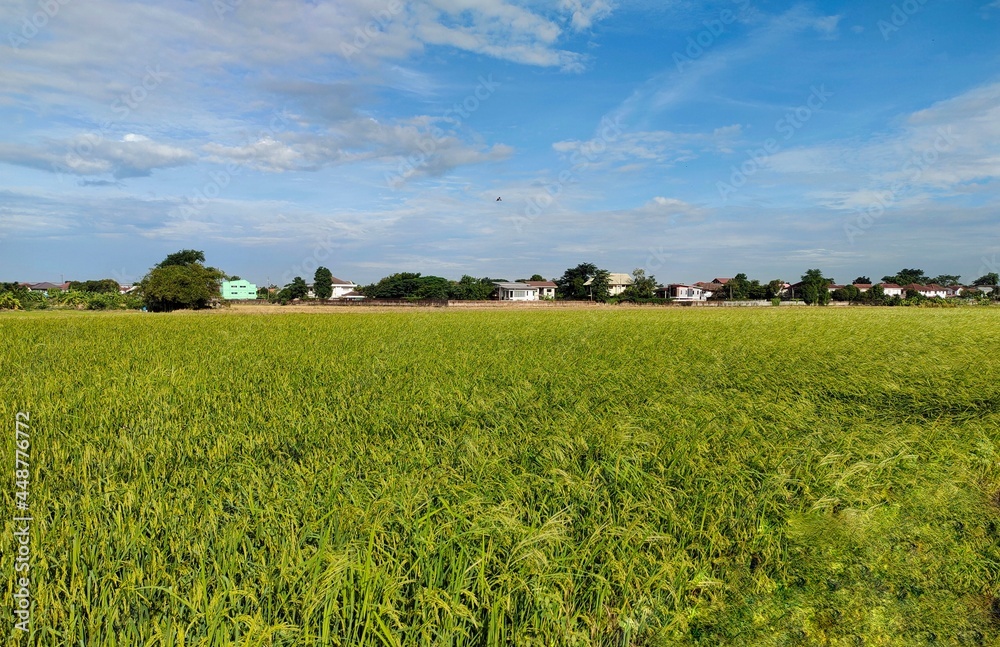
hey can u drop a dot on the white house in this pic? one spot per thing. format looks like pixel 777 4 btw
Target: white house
pixel 929 291
pixel 340 289
pixel 618 282
pixel 516 292
pixel 546 289
pixel 684 292
pixel 893 290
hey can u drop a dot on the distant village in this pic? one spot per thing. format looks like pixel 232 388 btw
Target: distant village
pixel 618 285
pixel 585 282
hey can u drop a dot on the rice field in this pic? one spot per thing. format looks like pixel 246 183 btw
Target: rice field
pixel 610 476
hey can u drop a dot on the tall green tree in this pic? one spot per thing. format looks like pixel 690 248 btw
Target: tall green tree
pixel 433 287
pixel 642 287
pixel 600 286
pixel 863 280
pixel 572 284
pixel 847 293
pixel 815 288
pixel 756 291
pixel 409 285
pixel 175 286
pixel 738 287
pixel 394 286
pixel 323 283
pixel 988 279
pixel 297 289
pixel 875 295
pixel 946 280
pixel 183 257
pixel 907 276
pixel 469 288
pixel 104 286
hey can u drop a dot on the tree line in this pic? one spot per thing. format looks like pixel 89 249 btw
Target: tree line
pixel 183 280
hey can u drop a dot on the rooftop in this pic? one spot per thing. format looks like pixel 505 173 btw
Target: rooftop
pixel 513 286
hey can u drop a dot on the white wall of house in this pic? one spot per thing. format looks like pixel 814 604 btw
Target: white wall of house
pixel 618 282
pixel 522 295
pixel 688 293
pixel 516 292
pixel 544 291
pixel 340 289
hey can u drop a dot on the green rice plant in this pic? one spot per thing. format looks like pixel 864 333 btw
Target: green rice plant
pixel 776 476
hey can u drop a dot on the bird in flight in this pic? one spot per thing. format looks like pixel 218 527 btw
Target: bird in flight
pixel 498 199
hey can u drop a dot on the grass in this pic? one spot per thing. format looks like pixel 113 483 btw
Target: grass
pixel 599 477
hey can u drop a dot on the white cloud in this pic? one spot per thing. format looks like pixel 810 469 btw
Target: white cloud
pixel 265 154
pixel 940 150
pixel 662 147
pixel 80 62
pixel 827 26
pixel 414 147
pixel 496 29
pixel 584 14
pixel 92 154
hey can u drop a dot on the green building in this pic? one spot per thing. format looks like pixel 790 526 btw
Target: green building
pixel 239 290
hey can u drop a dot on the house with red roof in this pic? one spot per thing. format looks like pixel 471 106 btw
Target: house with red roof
pixel 930 291
pixel 893 290
pixel 546 289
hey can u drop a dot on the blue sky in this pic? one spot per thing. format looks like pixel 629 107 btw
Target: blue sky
pixel 690 139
